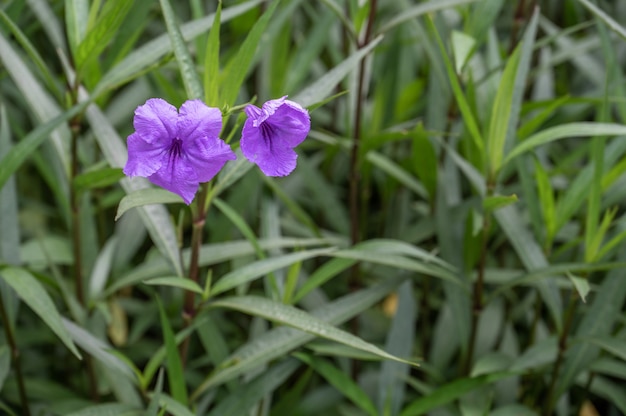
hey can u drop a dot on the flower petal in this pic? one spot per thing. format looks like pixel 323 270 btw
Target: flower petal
pixel 196 120
pixel 144 158
pixel 156 120
pixel 270 107
pixel 177 176
pixel 273 155
pixel 292 121
pixel 207 155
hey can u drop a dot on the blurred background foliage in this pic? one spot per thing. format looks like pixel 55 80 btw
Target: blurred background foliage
pixel 458 206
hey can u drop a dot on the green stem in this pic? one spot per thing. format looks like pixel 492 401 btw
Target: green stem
pixel 15 358
pixel 189 305
pixel 355 176
pixel 74 205
pixel 477 302
pixel 569 317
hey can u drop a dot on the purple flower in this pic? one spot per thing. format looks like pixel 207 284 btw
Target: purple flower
pixel 270 134
pixel 177 151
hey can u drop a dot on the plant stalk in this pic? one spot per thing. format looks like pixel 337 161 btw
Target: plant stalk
pixel 189 305
pixel 15 358
pixel 569 317
pixel 74 205
pixel 355 177
pixel 477 302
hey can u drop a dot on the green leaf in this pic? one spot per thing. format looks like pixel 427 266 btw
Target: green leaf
pixel 341 381
pixel 280 341
pixel 581 284
pixel 212 62
pixel 468 116
pixel 580 129
pixel 239 66
pixel 260 268
pixel 240 401
pixel 600 14
pixel 107 24
pixel 400 340
pixel 492 203
pixel 392 169
pixel 527 48
pixel 325 86
pixel 597 322
pixel 35 296
pixel 419 10
pixel 241 225
pixel 32 52
pixel 147 196
pixel 546 199
pixel 399 262
pixel 76 16
pixel 21 151
pixel 501 114
pixel 9 222
pixel 491 363
pixel 445 394
pixel 97 179
pixel 175 377
pixel 424 160
pixel 463 46
pixel 173 407
pixel 153 407
pixel 99 350
pixel 296 318
pixel 615 346
pixel 191 80
pixel 152 52
pixel 175 281
pixel 321 275
pixel 531 256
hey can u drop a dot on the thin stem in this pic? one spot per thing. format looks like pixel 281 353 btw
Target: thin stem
pixel 15 358
pixel 477 303
pixel 569 317
pixel 74 205
pixel 189 306
pixel 77 245
pixel 355 177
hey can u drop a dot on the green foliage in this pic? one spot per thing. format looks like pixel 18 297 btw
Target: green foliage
pixel 451 241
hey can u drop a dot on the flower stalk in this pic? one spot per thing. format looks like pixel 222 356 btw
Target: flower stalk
pixel 189 306
pixel 15 358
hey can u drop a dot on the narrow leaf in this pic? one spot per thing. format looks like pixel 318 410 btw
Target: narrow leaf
pixel 175 281
pixel 191 80
pixel 35 296
pixel 296 318
pixel 238 68
pixel 449 392
pixel 580 129
pixel 212 62
pixel 260 268
pixel 341 381
pixel 147 196
pixel 325 86
pixel 106 26
pixel 175 375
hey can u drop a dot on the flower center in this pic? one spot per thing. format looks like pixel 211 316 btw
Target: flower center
pixel 267 131
pixel 176 148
